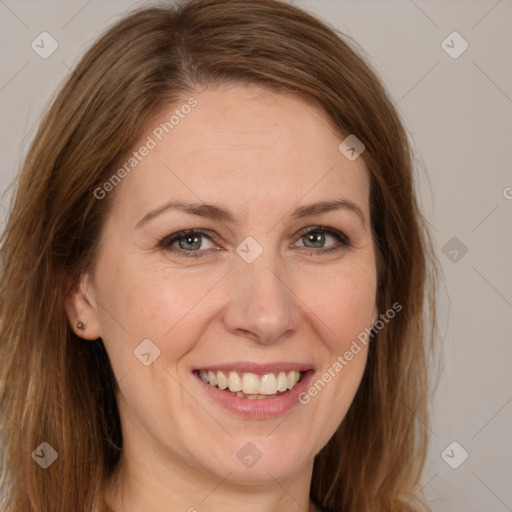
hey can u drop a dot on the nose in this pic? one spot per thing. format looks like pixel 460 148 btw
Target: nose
pixel 262 305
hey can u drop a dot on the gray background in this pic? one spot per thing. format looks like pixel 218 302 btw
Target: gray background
pixel 458 112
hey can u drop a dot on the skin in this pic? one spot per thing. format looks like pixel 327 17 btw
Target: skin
pixel 259 154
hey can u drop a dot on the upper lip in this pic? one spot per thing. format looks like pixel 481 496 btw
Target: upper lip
pixel 257 368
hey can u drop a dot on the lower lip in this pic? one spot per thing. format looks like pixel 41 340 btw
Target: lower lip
pixel 257 409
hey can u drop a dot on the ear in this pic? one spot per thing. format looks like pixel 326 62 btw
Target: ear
pixel 80 306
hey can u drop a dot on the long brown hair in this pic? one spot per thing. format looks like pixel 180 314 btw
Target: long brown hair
pixel 58 389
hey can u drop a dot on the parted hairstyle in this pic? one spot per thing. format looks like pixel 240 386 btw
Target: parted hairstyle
pixel 58 388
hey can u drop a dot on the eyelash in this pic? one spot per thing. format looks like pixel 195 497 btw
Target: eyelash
pixel 343 241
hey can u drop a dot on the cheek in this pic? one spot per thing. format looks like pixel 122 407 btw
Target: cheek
pixel 342 308
pixel 153 303
pixel 344 303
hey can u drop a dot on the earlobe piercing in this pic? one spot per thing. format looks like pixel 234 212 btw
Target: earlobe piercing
pixel 80 325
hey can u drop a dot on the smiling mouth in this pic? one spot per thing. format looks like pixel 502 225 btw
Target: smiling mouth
pixel 251 386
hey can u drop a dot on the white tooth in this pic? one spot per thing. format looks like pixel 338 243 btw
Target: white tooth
pixel 203 375
pixel 222 381
pixel 293 378
pixel 268 384
pixel 289 380
pixel 212 378
pixel 282 382
pixel 234 382
pixel 250 383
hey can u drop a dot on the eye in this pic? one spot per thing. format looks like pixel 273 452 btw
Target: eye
pixel 193 243
pixel 189 243
pixel 317 237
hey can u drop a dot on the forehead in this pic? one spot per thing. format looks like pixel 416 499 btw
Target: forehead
pixel 246 147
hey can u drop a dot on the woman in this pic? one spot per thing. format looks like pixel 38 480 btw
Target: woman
pixel 214 277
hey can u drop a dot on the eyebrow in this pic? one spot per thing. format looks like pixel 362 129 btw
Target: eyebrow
pixel 214 212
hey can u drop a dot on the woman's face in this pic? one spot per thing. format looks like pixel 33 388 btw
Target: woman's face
pixel 276 281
